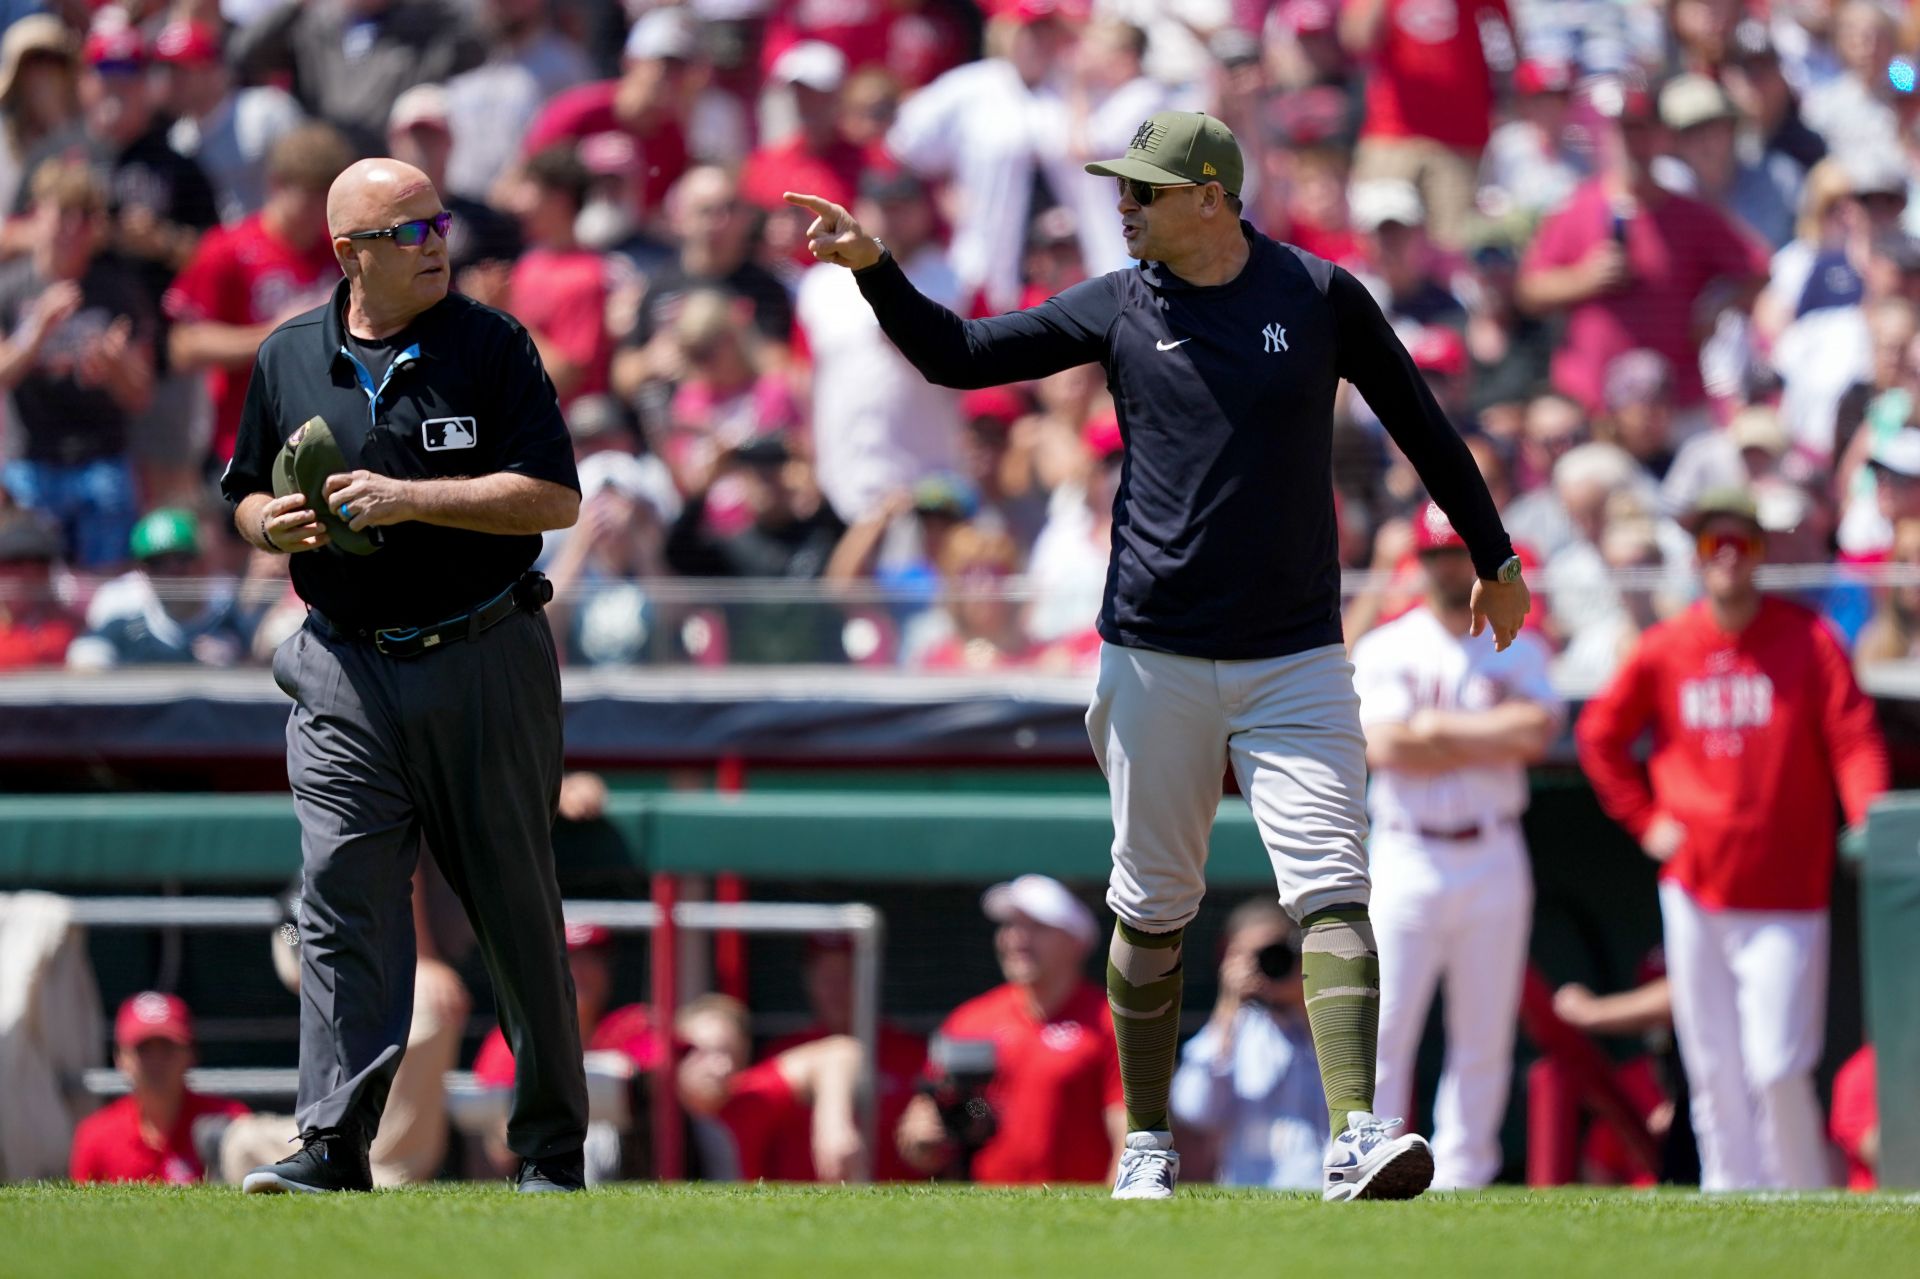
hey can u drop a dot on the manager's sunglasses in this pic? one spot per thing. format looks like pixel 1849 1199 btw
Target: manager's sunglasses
pixel 410 235
pixel 1144 193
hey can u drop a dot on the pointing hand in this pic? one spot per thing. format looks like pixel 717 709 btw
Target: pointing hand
pixel 833 235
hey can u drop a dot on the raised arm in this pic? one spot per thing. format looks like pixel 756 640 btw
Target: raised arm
pixel 948 351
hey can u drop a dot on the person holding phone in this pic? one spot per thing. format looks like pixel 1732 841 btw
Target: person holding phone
pixel 1249 1081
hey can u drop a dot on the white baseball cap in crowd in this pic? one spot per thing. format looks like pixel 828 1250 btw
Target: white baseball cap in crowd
pixel 1044 900
pixel 813 63
pixel 1899 453
pixel 1873 170
pixel 638 479
pixel 422 104
pixel 1691 100
pixel 663 33
pixel 1374 203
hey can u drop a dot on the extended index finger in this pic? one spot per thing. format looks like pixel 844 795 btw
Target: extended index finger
pixel 825 208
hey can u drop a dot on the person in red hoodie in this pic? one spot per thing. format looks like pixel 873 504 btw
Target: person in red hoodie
pixel 148 1135
pixel 1756 723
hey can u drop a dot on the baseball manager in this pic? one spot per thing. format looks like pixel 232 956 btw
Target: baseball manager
pixel 1221 619
pixel 426 690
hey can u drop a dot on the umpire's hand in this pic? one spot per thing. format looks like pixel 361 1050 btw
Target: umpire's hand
pixel 834 236
pixel 1502 606
pixel 290 525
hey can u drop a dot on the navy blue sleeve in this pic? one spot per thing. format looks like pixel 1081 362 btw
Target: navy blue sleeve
pixel 1372 357
pixel 1064 331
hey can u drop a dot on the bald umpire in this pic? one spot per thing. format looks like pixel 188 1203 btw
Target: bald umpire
pixel 425 684
pixel 1221 621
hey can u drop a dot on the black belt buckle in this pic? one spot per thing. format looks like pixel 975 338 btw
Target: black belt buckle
pixel 403 641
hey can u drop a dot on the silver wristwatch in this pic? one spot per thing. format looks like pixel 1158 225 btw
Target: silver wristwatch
pixel 1509 571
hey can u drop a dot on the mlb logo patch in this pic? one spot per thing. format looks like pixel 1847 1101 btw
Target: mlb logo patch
pixel 439 434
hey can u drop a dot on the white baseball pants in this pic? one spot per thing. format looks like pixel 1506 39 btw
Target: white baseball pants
pixel 1459 912
pixel 1165 728
pixel 1749 1013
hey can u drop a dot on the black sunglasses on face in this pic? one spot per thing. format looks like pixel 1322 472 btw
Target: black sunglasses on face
pixel 1144 193
pixel 410 235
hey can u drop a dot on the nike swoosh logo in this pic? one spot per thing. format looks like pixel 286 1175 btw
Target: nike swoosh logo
pixel 1168 346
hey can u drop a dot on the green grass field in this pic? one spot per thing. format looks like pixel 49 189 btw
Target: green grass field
pixel 640 1232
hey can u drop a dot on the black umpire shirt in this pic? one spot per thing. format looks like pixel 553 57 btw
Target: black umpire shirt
pixel 1224 544
pixel 462 393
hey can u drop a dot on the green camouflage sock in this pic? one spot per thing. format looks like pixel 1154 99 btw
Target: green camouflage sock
pixel 1143 990
pixel 1340 970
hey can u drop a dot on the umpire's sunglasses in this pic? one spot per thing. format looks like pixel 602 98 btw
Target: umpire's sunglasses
pixel 410 235
pixel 1144 193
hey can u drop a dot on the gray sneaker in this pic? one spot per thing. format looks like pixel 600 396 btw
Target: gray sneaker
pixel 1149 1167
pixel 1368 1162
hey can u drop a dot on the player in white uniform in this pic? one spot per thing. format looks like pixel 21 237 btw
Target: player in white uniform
pixel 1451 725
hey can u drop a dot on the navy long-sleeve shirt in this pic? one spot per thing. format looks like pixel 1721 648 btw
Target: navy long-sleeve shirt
pixel 1224 545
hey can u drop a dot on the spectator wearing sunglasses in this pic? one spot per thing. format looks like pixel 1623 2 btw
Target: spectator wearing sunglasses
pixel 1760 733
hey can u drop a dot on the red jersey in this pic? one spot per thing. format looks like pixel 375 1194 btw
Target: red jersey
pixel 108 1145
pixel 1675 249
pixel 1053 1083
pixel 762 1116
pixel 1856 1112
pixel 1428 77
pixel 1751 734
pixel 913 42
pixel 628 1031
pixel 562 296
pixel 903 1058
pixel 660 154
pixel 245 275
pixel 34 641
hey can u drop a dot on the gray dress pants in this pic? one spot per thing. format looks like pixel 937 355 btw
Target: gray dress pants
pixel 462 745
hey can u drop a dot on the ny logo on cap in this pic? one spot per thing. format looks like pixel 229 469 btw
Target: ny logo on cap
pixel 1143 137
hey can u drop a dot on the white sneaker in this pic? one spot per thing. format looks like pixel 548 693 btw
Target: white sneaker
pixel 1367 1162
pixel 1149 1167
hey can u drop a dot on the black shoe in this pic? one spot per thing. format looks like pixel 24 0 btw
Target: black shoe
pixel 329 1159
pixel 554 1174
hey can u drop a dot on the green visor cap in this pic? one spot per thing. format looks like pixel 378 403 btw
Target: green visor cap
pixel 1179 146
pixel 302 466
pixel 169 531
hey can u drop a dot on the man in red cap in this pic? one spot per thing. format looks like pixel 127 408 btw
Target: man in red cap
pixel 148 1134
pixel 228 131
pixel 627 1030
pixel 1451 727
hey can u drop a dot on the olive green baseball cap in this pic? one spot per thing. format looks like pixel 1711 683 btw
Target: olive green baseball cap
pixel 1179 146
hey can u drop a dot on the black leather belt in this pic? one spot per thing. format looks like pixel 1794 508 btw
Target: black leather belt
pixel 1460 836
pixel 529 594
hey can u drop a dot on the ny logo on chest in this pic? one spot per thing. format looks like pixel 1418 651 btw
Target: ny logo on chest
pixel 1275 338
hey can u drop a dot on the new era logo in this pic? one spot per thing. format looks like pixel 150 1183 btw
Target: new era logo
pixel 439 434
pixel 1208 171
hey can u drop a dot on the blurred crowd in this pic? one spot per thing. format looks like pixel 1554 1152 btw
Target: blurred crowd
pixel 1641 250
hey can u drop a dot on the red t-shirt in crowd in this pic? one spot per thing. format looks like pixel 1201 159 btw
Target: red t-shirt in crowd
pixel 1053 1082
pixel 763 1116
pixel 903 1058
pixel 108 1146
pixel 1856 1112
pixel 627 1030
pixel 243 275
pixel 29 641
pixel 578 113
pixel 915 43
pixel 1752 734
pixel 1675 249
pixel 1428 77
pixel 561 294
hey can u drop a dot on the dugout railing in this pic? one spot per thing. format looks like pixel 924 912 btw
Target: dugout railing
pixel 664 919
